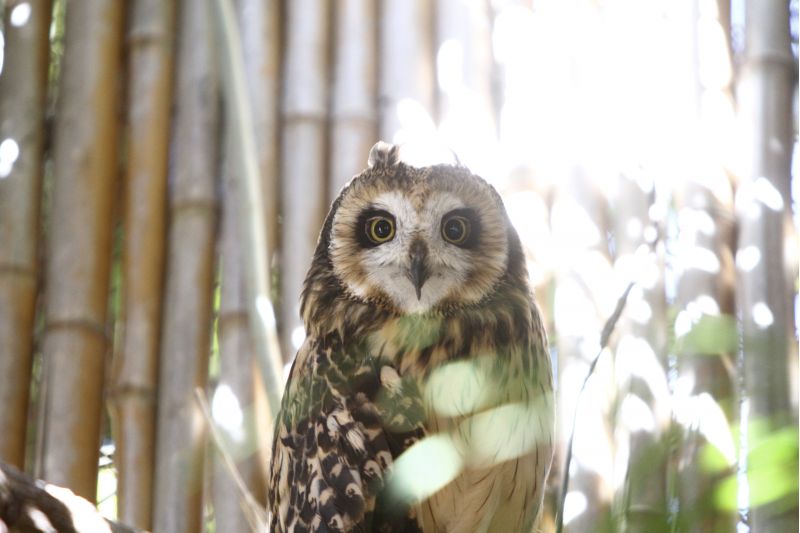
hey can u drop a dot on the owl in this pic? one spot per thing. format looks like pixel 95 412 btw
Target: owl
pixel 421 398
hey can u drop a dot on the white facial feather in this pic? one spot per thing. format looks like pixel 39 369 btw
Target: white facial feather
pixel 387 265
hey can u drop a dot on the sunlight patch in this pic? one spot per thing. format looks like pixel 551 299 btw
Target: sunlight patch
pixel 424 468
pixel 574 504
pixel 9 152
pixel 459 388
pixel 506 432
pixel 227 412
pixel 748 258
pixel 762 315
pixel 21 14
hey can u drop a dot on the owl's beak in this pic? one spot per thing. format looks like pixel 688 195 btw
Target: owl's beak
pixel 418 271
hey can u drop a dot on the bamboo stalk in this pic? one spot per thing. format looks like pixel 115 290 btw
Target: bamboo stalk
pixel 234 396
pixel 242 155
pixel 135 369
pixel 464 76
pixel 583 299
pixel 79 245
pixel 354 101
pixel 23 84
pixel 764 300
pixel 304 139
pixel 185 338
pixel 260 33
pixel 256 513
pixel 260 30
pixel 704 389
pixel 641 355
pixel 704 291
pixel 406 74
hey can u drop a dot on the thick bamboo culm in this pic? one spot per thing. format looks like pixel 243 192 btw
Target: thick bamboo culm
pixel 764 298
pixel 186 325
pixel 644 365
pixel 406 58
pixel 259 23
pixel 150 35
pixel 304 138
pixel 234 397
pixel 579 290
pixel 354 114
pixel 79 245
pixel 23 85
pixel 464 77
pixel 699 287
pixel 704 206
pixel 260 26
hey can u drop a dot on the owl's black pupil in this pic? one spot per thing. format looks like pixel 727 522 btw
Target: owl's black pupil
pixel 454 229
pixel 382 229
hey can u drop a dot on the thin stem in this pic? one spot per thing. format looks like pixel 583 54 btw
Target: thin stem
pixel 608 329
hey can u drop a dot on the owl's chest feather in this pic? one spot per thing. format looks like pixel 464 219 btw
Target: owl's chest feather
pixel 488 387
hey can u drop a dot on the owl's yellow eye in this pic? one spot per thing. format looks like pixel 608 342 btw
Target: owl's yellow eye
pixel 380 229
pixel 455 229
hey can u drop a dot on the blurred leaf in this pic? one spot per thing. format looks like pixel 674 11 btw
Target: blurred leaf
pixel 107 492
pixel 772 468
pixel 711 334
pixel 712 459
pixel 726 494
pixel 772 471
pixel 214 357
pixel 778 447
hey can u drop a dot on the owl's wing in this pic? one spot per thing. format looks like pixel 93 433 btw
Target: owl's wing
pixel 344 418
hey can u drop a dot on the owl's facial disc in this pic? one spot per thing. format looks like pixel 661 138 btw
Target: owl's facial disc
pixel 418 252
pixel 418 268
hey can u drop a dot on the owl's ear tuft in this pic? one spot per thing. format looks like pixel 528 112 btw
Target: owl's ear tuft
pixel 383 154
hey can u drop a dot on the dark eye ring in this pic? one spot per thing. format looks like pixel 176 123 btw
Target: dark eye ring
pixel 455 229
pixel 379 229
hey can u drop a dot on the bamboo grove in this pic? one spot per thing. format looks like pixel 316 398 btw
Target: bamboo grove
pixel 633 142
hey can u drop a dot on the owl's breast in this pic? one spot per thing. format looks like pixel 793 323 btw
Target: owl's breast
pixel 487 388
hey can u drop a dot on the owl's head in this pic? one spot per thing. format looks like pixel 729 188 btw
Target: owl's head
pixel 417 239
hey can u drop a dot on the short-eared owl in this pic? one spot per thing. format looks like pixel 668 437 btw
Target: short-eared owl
pixel 421 399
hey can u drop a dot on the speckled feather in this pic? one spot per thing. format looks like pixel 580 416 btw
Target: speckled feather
pixel 356 396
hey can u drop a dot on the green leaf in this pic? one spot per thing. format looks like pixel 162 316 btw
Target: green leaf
pixel 772 466
pixel 712 459
pixel 711 335
pixel 772 471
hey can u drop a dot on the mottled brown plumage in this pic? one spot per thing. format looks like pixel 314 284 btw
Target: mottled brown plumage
pixel 420 323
